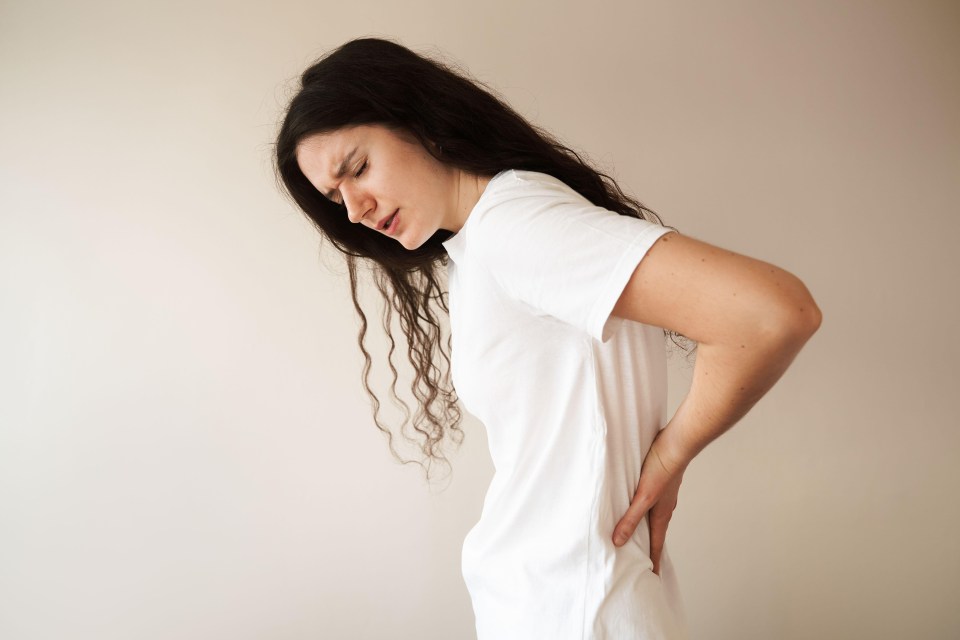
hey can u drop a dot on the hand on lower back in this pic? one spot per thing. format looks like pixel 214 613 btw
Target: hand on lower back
pixel 656 497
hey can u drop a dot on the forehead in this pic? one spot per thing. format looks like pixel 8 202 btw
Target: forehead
pixel 319 154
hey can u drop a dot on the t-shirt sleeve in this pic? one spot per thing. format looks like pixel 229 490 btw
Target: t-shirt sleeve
pixel 549 247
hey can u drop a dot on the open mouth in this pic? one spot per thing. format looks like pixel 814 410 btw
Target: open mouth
pixel 388 223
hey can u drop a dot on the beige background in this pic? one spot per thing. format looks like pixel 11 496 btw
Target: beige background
pixel 186 450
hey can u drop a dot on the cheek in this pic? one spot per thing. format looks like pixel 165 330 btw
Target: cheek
pixel 390 178
pixel 423 173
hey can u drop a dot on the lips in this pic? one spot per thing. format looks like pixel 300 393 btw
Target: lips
pixel 386 221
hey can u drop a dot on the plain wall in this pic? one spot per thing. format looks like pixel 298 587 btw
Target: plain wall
pixel 186 450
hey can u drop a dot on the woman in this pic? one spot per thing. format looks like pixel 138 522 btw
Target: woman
pixel 559 295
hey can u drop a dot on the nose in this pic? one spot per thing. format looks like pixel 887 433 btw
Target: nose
pixel 358 202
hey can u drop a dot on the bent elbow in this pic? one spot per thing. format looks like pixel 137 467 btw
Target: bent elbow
pixel 799 319
pixel 808 315
pixel 817 317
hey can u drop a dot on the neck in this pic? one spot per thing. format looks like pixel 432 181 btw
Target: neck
pixel 470 187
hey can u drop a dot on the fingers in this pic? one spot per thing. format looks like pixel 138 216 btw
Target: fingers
pixel 658 535
pixel 654 477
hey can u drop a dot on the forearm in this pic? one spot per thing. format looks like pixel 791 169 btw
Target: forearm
pixel 728 379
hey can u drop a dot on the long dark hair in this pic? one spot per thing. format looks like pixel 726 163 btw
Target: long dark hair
pixel 461 122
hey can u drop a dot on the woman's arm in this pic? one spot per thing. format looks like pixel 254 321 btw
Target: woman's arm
pixel 749 318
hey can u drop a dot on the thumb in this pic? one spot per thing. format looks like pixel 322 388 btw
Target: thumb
pixel 631 520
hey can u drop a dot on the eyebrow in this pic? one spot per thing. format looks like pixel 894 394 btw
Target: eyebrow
pixel 341 170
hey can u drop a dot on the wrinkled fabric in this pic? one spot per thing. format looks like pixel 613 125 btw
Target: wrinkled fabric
pixel 571 398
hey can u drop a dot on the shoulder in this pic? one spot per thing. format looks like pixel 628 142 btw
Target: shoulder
pixel 511 184
pixel 516 199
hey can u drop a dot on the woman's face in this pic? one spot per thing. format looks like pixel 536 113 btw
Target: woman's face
pixel 377 173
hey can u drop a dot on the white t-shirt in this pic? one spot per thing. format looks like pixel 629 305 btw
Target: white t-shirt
pixel 571 398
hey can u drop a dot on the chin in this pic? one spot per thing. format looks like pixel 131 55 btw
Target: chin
pixel 411 246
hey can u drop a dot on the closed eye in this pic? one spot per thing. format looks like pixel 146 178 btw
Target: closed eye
pixel 359 173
